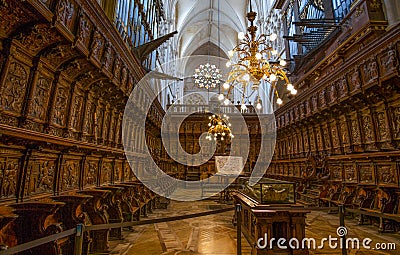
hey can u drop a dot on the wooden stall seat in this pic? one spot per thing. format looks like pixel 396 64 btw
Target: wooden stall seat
pixel 332 197
pixel 72 214
pixel 140 197
pixel 114 209
pixel 7 216
pixel 129 206
pixel 383 203
pixel 346 197
pixel 96 208
pixel 36 220
pixel 395 215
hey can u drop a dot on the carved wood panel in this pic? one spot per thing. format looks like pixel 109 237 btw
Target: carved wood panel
pixel 118 171
pixel 91 172
pixel 368 130
pixel 41 96
pixel 336 172
pixel 335 136
pixel 350 172
pixel 66 13
pixel 106 172
pixel 40 176
pixel 388 63
pixel 60 108
pixel 14 87
pixel 387 174
pixel 383 134
pixel 70 174
pixel 395 122
pixel 9 169
pixel 367 173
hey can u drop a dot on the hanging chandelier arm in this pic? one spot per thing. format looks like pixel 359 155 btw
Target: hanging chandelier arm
pixel 255 57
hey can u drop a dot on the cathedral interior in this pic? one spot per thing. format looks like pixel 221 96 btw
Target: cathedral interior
pixel 201 127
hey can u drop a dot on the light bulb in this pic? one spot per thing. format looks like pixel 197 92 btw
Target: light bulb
pixel 273 37
pixel 259 106
pixel 279 101
pixel 223 134
pixel 293 91
pixel 221 97
pixel 282 62
pixel 246 77
pixel 226 85
pixel 226 102
pixel 272 77
pixel 265 76
pixel 232 136
pixel 215 139
pixel 228 64
pixel 241 35
pixel 222 138
pixel 230 53
pixel 209 124
pixel 258 55
pixel 290 87
pixel 243 107
pixel 229 124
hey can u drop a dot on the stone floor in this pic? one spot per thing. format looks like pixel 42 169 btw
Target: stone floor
pixel 215 234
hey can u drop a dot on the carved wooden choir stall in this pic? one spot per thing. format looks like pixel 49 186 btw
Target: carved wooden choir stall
pixel 65 75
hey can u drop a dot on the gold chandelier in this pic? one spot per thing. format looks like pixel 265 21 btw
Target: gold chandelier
pixel 219 128
pixel 254 60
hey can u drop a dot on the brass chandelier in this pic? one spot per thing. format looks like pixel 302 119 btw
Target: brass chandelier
pixel 254 60
pixel 219 128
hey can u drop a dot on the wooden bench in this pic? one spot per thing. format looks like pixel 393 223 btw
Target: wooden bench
pixel 96 208
pixel 129 205
pixel 332 196
pixel 346 197
pixel 382 203
pixel 7 239
pixel 72 214
pixel 36 219
pixel 114 209
pixel 395 215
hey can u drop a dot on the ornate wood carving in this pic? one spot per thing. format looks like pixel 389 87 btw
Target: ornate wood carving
pixel 70 175
pixel 9 169
pixel 350 172
pixel 82 38
pixel 40 176
pixel 91 173
pixel 367 175
pixel 37 38
pixel 66 11
pixel 387 174
pixel 14 87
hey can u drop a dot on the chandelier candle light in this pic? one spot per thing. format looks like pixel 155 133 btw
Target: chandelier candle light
pixel 219 128
pixel 254 60
pixel 207 76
